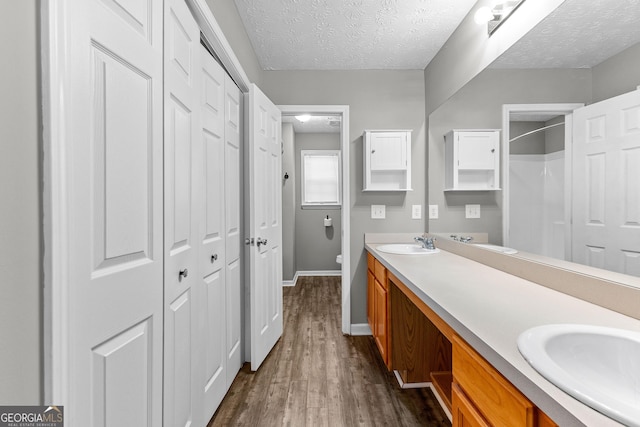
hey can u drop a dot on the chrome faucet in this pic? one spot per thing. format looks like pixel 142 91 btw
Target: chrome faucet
pixel 427 242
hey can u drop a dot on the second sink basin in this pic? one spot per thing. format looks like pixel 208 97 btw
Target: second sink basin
pixel 599 366
pixel 406 249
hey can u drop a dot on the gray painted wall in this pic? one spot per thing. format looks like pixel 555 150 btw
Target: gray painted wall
pixel 288 202
pixel 479 105
pixel 20 212
pixel 469 50
pixel 530 144
pixel 377 100
pixel 617 75
pixel 316 245
pixel 554 137
pixel 227 17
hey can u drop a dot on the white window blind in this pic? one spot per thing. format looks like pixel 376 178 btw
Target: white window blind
pixel 321 177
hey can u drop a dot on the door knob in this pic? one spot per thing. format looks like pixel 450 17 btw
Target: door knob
pixel 260 241
pixel 214 258
pixel 183 274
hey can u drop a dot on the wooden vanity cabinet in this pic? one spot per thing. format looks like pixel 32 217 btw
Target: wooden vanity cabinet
pixel 481 396
pixel 378 306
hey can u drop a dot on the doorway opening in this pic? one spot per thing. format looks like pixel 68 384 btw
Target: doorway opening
pixel 536 147
pixel 329 120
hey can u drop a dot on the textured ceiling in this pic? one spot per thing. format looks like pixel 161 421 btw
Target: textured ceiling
pixel 579 34
pixel 349 34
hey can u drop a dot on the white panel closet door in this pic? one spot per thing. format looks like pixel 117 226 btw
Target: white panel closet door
pixel 265 225
pixel 213 259
pixel 183 284
pixel 233 189
pixel 606 184
pixel 112 161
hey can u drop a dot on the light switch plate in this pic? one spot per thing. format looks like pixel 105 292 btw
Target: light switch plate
pixel 416 211
pixel 378 211
pixel 433 211
pixel 472 211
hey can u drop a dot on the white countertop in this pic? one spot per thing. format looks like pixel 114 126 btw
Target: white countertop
pixel 490 309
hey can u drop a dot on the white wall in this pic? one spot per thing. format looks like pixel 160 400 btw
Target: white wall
pixel 20 208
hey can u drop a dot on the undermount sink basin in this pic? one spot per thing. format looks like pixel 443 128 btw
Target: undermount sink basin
pixel 599 366
pixel 496 248
pixel 406 249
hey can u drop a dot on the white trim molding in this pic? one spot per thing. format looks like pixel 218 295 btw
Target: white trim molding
pixel 360 329
pixel 313 273
pixel 55 85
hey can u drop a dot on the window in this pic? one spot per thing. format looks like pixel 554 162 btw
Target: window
pixel 321 178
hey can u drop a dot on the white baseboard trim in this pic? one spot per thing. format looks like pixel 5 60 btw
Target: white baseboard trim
pixel 360 329
pixel 441 402
pixel 310 274
pixel 319 273
pixel 409 385
pixel 404 385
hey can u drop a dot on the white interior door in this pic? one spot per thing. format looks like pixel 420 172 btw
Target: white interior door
pixel 183 284
pixel 111 159
pixel 212 256
pixel 233 221
pixel 606 184
pixel 265 228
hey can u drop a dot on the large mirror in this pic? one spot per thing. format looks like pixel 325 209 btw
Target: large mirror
pixel 583 53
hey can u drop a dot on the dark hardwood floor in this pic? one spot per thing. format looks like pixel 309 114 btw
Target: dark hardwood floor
pixel 315 376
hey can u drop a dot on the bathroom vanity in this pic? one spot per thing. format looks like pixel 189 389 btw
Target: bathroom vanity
pixel 452 322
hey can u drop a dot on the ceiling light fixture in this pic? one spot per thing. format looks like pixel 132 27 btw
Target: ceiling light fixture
pixel 496 14
pixel 303 118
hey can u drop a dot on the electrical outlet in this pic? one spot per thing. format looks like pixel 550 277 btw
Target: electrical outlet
pixel 472 211
pixel 416 211
pixel 433 211
pixel 378 211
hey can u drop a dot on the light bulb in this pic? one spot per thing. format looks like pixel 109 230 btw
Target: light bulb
pixel 483 15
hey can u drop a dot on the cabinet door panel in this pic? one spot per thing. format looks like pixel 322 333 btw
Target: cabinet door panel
pixel 499 401
pixel 388 150
pixel 380 325
pixel 477 150
pixel 370 303
pixel 463 412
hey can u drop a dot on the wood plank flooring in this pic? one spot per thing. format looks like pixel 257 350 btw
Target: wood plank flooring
pixel 315 376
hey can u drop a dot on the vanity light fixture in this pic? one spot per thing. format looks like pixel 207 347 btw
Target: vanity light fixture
pixel 496 14
pixel 303 118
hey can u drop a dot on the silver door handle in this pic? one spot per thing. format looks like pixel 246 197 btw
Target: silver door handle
pixel 260 241
pixel 214 258
pixel 183 274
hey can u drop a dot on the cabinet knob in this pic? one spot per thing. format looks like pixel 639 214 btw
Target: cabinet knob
pixel 373 151
pixel 493 150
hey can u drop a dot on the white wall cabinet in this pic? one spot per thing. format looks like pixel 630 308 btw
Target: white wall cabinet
pixel 472 160
pixel 387 160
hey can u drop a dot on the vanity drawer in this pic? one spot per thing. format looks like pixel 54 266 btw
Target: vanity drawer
pixel 495 397
pixel 370 262
pixel 381 273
